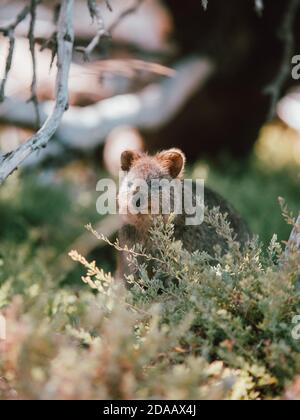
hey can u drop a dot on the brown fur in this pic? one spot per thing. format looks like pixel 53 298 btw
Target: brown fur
pixel 169 164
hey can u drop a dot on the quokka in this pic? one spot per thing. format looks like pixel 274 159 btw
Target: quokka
pixel 167 165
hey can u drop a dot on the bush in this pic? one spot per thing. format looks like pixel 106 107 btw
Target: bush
pixel 254 191
pixel 204 326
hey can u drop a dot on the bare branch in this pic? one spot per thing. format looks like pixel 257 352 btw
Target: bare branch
pixel 8 63
pixel 33 99
pixel 19 18
pixel 101 31
pixel 124 14
pixel 108 5
pixel 65 40
pixel 51 42
pixel 84 128
pixel 9 31
pixel 286 35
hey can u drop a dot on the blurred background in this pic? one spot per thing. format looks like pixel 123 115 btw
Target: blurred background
pixel 170 74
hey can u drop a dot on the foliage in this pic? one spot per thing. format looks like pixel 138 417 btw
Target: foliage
pixel 220 329
pixel 254 191
pixel 202 327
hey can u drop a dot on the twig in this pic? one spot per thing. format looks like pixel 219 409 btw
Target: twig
pixel 157 106
pixel 287 38
pixel 51 42
pixel 9 31
pixel 65 39
pixel 33 98
pixel 124 14
pixel 101 31
pixel 19 18
pixel 108 5
pixel 116 245
pixel 9 58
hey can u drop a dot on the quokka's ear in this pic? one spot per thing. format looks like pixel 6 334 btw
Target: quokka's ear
pixel 128 157
pixel 173 160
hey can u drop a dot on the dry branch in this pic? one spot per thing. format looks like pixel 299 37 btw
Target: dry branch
pixel 9 31
pixel 125 13
pixel 33 98
pixel 102 31
pixel 8 63
pixel 65 40
pixel 152 108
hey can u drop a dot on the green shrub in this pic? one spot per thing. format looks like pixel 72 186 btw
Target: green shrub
pixel 254 191
pixel 204 326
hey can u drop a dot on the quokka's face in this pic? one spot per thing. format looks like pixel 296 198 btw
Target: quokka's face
pixel 141 193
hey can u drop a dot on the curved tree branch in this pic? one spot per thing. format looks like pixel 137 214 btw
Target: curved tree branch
pixel 65 40
pixel 152 108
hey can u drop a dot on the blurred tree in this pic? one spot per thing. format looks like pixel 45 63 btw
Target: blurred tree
pixel 237 64
pixel 252 53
